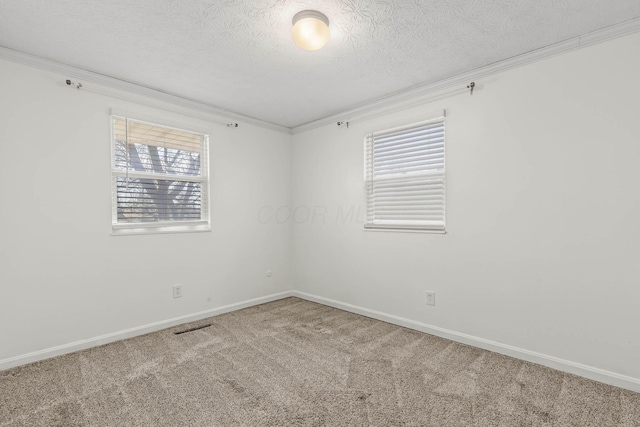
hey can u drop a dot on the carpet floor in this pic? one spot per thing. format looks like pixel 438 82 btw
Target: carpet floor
pixel 296 363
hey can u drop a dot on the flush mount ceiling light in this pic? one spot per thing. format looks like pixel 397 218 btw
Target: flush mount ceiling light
pixel 310 29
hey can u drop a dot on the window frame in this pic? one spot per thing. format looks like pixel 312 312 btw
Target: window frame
pixel 369 178
pixel 161 227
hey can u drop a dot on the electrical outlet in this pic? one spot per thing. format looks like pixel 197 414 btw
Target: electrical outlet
pixel 177 291
pixel 431 298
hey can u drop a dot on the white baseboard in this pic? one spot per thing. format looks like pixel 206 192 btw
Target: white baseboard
pixel 129 333
pixel 590 372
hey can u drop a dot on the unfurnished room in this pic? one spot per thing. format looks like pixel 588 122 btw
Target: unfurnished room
pixel 320 213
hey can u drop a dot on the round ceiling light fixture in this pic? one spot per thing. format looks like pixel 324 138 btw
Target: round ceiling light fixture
pixel 310 29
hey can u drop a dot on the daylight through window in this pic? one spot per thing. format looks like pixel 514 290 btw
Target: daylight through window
pixel 159 177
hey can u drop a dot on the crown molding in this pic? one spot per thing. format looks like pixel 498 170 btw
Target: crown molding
pixel 400 100
pixel 457 84
pixel 111 86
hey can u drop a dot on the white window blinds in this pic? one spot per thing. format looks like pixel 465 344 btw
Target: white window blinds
pixel 405 177
pixel 159 176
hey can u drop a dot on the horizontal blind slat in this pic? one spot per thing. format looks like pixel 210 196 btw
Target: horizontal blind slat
pixel 407 129
pixel 134 131
pixel 426 137
pixel 411 156
pixel 409 149
pixel 402 164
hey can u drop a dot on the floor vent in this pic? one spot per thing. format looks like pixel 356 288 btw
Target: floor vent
pixel 192 329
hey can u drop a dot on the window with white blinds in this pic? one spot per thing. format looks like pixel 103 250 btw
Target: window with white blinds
pixel 404 177
pixel 159 178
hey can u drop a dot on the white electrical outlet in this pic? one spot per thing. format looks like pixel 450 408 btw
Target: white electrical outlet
pixel 431 298
pixel 177 291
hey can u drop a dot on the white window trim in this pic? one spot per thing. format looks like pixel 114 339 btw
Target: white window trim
pixel 398 228
pixel 127 229
pixel 160 228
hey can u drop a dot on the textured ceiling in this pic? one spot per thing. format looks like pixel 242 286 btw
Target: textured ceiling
pixel 239 55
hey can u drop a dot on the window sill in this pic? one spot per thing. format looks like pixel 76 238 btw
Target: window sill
pixel 133 229
pixel 405 230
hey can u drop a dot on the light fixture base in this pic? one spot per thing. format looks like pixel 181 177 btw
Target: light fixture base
pixel 310 14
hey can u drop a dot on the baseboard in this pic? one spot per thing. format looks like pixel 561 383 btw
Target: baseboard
pixel 129 333
pixel 579 369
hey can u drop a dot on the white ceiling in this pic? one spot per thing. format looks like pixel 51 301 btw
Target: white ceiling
pixel 239 55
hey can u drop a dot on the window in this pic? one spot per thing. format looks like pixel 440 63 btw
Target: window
pixel 404 177
pixel 159 178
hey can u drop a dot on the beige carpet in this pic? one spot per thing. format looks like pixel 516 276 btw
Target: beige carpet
pixel 296 363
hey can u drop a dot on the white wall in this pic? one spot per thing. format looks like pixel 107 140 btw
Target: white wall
pixel 64 278
pixel 542 207
pixel 543 202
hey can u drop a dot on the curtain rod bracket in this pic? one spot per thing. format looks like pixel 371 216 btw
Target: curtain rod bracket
pixel 76 85
pixel 471 86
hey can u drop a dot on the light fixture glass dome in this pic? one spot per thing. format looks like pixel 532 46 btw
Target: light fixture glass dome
pixel 310 29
